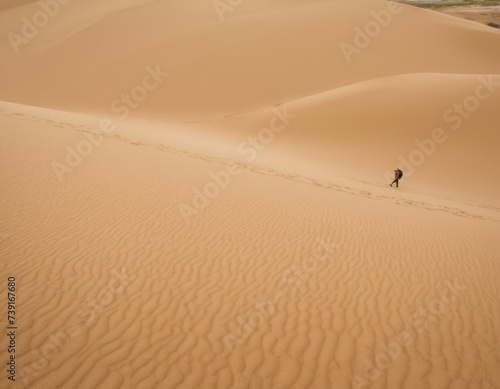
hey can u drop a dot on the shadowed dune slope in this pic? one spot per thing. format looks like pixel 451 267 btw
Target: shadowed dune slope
pixel 262 53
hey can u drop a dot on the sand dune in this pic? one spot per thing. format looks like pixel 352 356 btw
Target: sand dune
pixel 234 227
pixel 345 132
pixel 255 302
pixel 218 68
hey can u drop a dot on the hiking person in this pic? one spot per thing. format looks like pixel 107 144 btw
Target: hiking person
pixel 398 174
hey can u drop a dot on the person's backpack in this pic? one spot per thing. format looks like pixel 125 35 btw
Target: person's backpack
pixel 400 173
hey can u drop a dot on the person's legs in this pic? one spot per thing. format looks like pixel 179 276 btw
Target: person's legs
pixel 395 181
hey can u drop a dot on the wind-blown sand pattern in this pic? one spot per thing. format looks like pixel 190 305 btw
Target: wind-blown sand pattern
pixel 303 269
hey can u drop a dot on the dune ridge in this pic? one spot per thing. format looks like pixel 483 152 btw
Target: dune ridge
pixel 461 208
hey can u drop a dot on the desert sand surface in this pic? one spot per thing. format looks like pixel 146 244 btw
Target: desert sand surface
pixel 196 195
